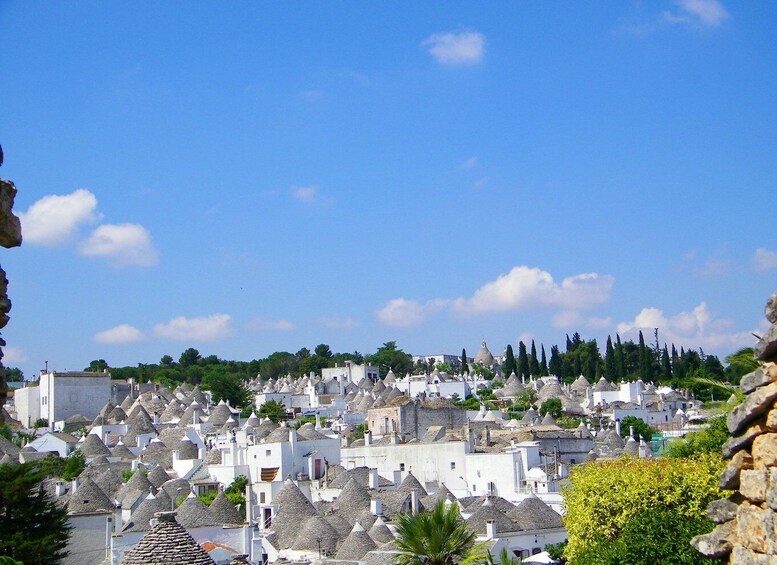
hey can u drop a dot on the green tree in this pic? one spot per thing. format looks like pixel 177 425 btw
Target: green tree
pixel 13 375
pixel 33 528
pixel 534 363
pixel 388 357
pixel 509 365
pixel 436 537
pixel 553 407
pixel 189 357
pixel 740 363
pixel 610 368
pixel 708 440
pixel 554 366
pixel 523 361
pixel 464 364
pixel 543 361
pixel 606 501
pixel 235 492
pixel 225 386
pixel 272 409
pixel 641 429
pixel 97 366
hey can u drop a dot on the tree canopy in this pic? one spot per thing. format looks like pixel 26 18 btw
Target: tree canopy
pixel 436 537
pixel 619 511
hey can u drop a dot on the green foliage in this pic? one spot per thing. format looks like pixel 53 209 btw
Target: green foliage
pixel 552 406
pixel 226 386
pixel 464 364
pixel 236 491
pixel 41 423
pixel 506 557
pixel 483 372
pixel 33 528
pixel 740 363
pixel 13 375
pixel 708 440
pixel 73 465
pixel 641 429
pixel 509 365
pixel 389 356
pixel 436 537
pixel 610 506
pixel 97 366
pixel 486 393
pixel 358 432
pixel 556 551
pixel 525 400
pixel 207 497
pixel 126 474
pixel 272 409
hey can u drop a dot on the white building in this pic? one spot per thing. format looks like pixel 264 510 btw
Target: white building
pixel 62 395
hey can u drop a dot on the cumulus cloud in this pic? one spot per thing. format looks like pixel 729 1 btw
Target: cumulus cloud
pixel 55 219
pixel 260 324
pixel 123 244
pixel 339 323
pixel 707 13
pixel 123 333
pixel 405 312
pixel 530 287
pixel 764 259
pixel 206 328
pixel 697 328
pixel 453 48
pixel 522 288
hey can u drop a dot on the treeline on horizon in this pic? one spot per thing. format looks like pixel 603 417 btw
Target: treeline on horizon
pixel 621 360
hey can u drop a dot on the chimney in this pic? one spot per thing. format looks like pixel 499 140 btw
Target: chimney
pixel 367 438
pixel 376 507
pixel 397 478
pixel 59 489
pixel 631 431
pixel 618 427
pixel 490 529
pixel 201 453
pixel 414 501
pixel 249 504
pixel 394 438
pixel 318 420
pixel 373 478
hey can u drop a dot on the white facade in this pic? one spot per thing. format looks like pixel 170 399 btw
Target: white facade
pixel 351 373
pixel 27 402
pixel 66 394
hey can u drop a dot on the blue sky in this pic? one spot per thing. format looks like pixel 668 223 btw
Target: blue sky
pixel 245 178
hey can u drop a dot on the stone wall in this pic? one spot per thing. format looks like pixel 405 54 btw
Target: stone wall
pixel 746 530
pixel 10 236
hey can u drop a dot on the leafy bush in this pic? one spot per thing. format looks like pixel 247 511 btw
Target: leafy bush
pixel 639 510
pixel 708 440
pixel 640 428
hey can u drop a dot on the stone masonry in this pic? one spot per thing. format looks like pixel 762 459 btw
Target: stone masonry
pixel 746 521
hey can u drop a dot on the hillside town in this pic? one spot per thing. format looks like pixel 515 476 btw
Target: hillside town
pixel 350 453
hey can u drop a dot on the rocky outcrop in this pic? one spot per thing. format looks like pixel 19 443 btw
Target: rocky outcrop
pixel 746 528
pixel 10 236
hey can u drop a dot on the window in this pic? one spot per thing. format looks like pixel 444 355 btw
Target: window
pixel 261 498
pixel 268 452
pixel 453 465
pixel 572 461
pixel 401 466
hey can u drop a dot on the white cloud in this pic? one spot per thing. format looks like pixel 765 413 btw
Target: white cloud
pixel 55 219
pixel 124 244
pixel 598 323
pixel 13 355
pixel 565 319
pixel 339 323
pixel 260 324
pixel 530 287
pixel 453 48
pixel 206 328
pixel 406 313
pixel 522 288
pixel 707 13
pixel 123 333
pixel 469 163
pixel 697 328
pixel 764 259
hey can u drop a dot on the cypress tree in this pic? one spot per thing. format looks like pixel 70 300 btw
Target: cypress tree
pixel 666 366
pixel 523 361
pixel 543 362
pixel 534 364
pixel 509 365
pixel 620 361
pixel 610 364
pixel 554 367
pixel 464 364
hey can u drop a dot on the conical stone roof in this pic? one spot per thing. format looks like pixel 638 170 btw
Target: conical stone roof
pixel 157 476
pixel 380 532
pixel 316 530
pixel 356 545
pixel 93 446
pixel 219 414
pixel 141 518
pixel 487 513
pixel 167 543
pixel 293 508
pixel 109 481
pixel 88 497
pixel 122 451
pixel 533 514
pixel 352 500
pixel 192 513
pixel 410 483
pixel 224 511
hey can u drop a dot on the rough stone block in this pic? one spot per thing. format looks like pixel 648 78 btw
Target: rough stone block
pixel 766 348
pixel 756 528
pixel 770 310
pixel 744 440
pixel 729 479
pixel 743 556
pixel 723 510
pixel 771 490
pixel 756 404
pixel 718 542
pixel 764 451
pixel 762 376
pixel 752 484
pixel 10 226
